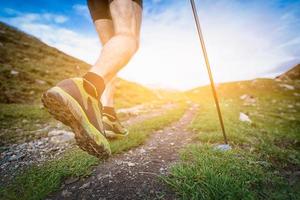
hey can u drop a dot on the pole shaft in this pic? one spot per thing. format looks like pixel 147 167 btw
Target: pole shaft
pixel 212 83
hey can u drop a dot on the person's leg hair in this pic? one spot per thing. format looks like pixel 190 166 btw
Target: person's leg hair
pixel 121 47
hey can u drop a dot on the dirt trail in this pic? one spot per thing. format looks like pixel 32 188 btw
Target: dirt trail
pixel 135 174
pixel 18 157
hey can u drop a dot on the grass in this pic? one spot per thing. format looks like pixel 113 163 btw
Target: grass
pixel 266 152
pixel 28 67
pixel 205 173
pixel 38 181
pixel 19 123
pixel 38 67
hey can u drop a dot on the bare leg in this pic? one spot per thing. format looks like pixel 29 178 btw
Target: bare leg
pixel 105 31
pixel 121 47
pixel 107 98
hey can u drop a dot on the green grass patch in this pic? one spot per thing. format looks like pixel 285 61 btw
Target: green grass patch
pixel 38 181
pixel 271 142
pixel 205 173
pixel 19 122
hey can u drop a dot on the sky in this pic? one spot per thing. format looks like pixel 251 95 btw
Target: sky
pixel 245 39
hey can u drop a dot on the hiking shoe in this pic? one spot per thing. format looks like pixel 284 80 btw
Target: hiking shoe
pixel 70 103
pixel 113 127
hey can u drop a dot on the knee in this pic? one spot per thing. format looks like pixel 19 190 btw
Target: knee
pixel 131 43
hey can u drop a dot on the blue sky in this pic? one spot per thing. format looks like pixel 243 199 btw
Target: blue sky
pixel 245 38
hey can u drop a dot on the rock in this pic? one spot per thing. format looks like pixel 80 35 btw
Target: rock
pixel 142 151
pixel 296 94
pixel 16 157
pixel 41 82
pixel 55 133
pixel 119 162
pixel 248 99
pixel 71 180
pixel 14 72
pixel 66 136
pixel 278 80
pixel 290 106
pixel 222 147
pixel 286 86
pixel 86 185
pixel 59 125
pixel 26 59
pixel 24 121
pixel 133 111
pixel 66 193
pixel 130 164
pixel 245 118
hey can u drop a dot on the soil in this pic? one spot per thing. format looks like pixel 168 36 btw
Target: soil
pixel 57 140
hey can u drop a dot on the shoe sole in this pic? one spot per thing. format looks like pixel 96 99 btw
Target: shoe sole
pixel 66 109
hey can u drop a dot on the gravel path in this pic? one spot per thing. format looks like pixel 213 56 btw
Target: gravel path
pixel 58 139
pixel 135 174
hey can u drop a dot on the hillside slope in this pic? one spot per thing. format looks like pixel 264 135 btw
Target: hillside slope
pixel 29 67
pixel 292 74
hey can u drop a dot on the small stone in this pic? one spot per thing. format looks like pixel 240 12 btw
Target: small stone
pixel 41 82
pixel 66 136
pixel 286 86
pixel 15 157
pixel 86 185
pixel 172 143
pixel 130 164
pixel 296 94
pixel 223 147
pixel 248 99
pixel 71 180
pixel 245 118
pixel 119 162
pixel 55 133
pixel 14 72
pixel 142 151
pixel 66 193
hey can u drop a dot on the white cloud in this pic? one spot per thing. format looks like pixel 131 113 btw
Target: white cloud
pixel 71 42
pixel 241 45
pixel 82 10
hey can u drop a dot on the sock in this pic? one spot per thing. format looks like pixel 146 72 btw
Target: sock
pixel 112 115
pixel 93 84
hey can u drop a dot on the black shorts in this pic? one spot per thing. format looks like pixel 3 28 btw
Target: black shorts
pixel 99 9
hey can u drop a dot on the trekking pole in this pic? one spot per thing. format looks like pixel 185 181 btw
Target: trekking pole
pixel 196 17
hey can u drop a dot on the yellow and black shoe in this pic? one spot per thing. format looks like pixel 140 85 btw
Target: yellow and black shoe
pixel 112 125
pixel 75 102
